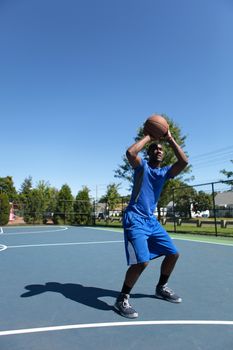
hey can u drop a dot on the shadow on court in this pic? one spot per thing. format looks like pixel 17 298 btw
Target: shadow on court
pixel 88 296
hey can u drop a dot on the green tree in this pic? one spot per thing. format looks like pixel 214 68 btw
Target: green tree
pixel 112 196
pixel 26 186
pixel 202 201
pixel 183 198
pixel 24 192
pixel 48 197
pixel 37 204
pixel 187 199
pixel 7 186
pixel 229 175
pixel 4 209
pixel 64 208
pixel 83 207
pixel 34 207
pixel 52 203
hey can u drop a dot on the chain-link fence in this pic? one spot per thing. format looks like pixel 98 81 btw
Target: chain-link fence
pixel 197 209
pixel 203 208
pixel 66 212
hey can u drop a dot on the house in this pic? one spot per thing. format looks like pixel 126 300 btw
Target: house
pixel 223 204
pixel 224 199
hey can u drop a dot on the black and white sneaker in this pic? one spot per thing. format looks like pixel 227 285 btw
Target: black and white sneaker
pixel 123 306
pixel 163 292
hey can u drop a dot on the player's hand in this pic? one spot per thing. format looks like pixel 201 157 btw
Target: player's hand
pixel 168 136
pixel 149 137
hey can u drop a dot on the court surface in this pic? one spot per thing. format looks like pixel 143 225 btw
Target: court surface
pixel 58 286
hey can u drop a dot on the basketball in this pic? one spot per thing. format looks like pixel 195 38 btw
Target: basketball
pixel 156 126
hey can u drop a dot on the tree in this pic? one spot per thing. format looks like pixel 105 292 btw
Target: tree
pixel 24 192
pixel 33 208
pixel 83 207
pixel 26 186
pixel 202 201
pixel 112 196
pixel 48 197
pixel 4 209
pixel 39 203
pixel 183 198
pixel 52 203
pixel 7 186
pixel 229 175
pixel 64 208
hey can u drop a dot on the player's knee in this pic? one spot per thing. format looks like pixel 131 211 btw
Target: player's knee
pixel 143 265
pixel 176 256
pixel 173 257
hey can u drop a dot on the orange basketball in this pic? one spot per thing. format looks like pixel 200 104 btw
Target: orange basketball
pixel 156 126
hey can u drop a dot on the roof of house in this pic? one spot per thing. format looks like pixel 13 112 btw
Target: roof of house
pixel 224 198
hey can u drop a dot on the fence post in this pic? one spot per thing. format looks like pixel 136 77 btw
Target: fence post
pixel 173 208
pixel 94 216
pixel 223 223
pixel 214 209
pixel 64 212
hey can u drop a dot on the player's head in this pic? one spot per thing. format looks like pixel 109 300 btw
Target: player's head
pixel 155 152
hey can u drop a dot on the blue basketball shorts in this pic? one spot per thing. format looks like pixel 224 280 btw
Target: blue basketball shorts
pixel 145 239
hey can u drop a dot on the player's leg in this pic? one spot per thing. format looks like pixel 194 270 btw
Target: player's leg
pixel 138 257
pixel 122 304
pixel 168 264
pixel 160 243
pixel 132 275
pixel 162 291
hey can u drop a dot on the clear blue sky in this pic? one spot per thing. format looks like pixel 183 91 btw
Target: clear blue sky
pixel 79 77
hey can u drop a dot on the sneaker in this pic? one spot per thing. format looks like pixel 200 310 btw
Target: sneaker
pixel 123 306
pixel 163 292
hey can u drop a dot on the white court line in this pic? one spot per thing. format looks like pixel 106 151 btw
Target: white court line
pixel 195 240
pixel 62 228
pixel 60 244
pixel 116 324
pixel 200 241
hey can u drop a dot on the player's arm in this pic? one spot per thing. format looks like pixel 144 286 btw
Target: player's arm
pixel 182 160
pixel 132 152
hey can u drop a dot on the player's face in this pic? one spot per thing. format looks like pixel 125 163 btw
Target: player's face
pixel 157 154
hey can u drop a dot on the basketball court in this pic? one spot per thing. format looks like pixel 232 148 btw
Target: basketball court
pixel 59 284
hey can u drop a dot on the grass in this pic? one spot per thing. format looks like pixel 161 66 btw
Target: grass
pixel 203 237
pixel 204 230
pixel 192 229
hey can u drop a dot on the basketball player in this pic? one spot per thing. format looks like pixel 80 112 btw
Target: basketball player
pixel 145 238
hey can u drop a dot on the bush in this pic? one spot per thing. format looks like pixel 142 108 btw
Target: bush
pixel 4 209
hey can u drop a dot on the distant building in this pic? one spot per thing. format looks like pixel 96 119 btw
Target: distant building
pixel 224 199
pixel 224 204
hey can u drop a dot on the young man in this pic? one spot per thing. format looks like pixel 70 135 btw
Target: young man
pixel 145 238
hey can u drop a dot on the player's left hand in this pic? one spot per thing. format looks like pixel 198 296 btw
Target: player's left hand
pixel 168 135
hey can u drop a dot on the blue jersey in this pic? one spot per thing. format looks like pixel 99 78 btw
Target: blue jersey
pixel 148 184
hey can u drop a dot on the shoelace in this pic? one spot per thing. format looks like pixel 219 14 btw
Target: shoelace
pixel 168 290
pixel 126 304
